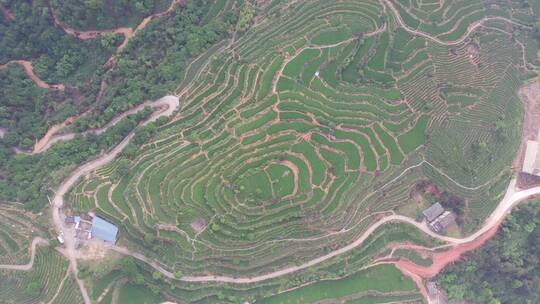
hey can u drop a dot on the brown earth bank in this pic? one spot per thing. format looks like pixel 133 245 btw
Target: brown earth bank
pixel 530 96
pixel 443 259
pixel 440 260
pixel 42 143
pixel 29 69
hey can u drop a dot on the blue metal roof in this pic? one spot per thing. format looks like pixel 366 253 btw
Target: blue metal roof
pixel 104 230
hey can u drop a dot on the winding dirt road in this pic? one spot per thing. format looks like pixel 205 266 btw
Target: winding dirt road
pixel 26 267
pixel 511 199
pixel 50 137
pixel 57 202
pixel 167 104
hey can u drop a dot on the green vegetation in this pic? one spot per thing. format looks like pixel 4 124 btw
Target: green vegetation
pixel 17 230
pixel 301 124
pixel 506 269
pixel 99 14
pixel 26 110
pixel 41 283
pixel 32 176
pixel 143 72
pixel 384 278
pixel 137 294
pixel 293 133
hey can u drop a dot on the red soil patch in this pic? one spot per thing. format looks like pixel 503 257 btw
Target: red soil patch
pixel 416 279
pixel 443 259
pixel 432 189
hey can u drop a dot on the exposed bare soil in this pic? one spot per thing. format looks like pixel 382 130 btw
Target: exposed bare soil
pixel 443 259
pixel 530 95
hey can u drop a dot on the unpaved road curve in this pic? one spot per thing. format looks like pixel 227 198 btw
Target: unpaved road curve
pixel 168 103
pixel 511 199
pixel 57 202
pixel 29 69
pixel 26 267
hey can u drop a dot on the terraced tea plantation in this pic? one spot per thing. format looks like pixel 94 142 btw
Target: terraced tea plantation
pixel 302 132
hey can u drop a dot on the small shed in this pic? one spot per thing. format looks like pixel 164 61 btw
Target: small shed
pixel 104 230
pixel 433 212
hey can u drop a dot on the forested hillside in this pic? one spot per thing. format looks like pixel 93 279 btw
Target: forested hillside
pixel 101 14
pixel 90 77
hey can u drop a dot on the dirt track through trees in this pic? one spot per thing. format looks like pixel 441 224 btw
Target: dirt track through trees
pixel 49 138
pixel 126 31
pixel 29 69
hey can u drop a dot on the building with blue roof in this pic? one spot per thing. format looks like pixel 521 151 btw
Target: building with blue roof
pixel 104 230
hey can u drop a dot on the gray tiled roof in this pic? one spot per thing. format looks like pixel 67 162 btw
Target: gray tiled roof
pixel 433 212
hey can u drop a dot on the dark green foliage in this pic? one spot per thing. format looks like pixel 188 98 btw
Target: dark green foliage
pixel 152 63
pixel 26 110
pixel 148 68
pixel 101 14
pixel 57 56
pixel 28 179
pixel 506 269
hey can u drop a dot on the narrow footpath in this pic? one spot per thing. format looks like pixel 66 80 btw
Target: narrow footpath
pixel 26 267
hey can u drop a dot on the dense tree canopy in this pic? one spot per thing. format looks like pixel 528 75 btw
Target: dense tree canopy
pixel 56 56
pixel 101 14
pixel 25 109
pixel 152 63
